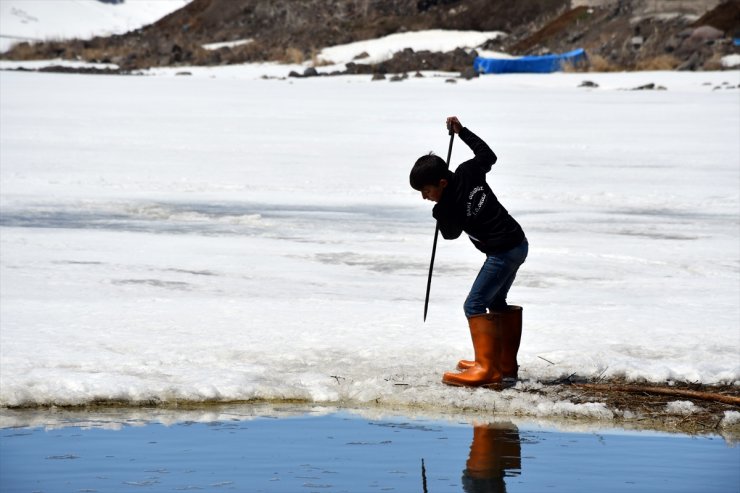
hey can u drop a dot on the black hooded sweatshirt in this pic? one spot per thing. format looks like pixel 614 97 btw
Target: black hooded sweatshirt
pixel 468 204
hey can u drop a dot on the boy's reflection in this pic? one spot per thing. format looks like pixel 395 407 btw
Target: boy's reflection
pixel 495 453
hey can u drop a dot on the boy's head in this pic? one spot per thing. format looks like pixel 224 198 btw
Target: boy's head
pixel 430 176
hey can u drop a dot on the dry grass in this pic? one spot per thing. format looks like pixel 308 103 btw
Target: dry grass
pixel 292 55
pixel 595 63
pixel 318 62
pixel 714 63
pixel 660 62
pixel 23 51
pixel 600 64
pixel 650 409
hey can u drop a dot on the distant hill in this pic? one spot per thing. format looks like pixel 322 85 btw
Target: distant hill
pixel 617 34
pixel 39 20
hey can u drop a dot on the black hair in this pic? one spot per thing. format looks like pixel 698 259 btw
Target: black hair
pixel 428 170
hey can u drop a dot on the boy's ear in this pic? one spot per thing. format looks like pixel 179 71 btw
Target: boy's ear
pixel 443 182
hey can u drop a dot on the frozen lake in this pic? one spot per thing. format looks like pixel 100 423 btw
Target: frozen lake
pixel 225 238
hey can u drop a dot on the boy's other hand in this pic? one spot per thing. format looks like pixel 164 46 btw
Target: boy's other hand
pixel 453 124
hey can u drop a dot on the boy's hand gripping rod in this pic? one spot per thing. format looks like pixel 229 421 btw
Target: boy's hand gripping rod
pixel 436 232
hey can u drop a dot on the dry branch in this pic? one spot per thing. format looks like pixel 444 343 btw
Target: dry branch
pixel 691 394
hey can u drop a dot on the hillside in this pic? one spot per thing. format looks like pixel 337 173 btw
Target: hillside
pixel 623 35
pixel 40 20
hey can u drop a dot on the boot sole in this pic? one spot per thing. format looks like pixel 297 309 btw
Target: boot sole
pixel 506 384
pixel 506 377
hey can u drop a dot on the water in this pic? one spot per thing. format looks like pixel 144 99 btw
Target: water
pixel 321 450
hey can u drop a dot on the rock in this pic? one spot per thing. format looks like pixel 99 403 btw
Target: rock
pixel 396 78
pixel 184 73
pixel 378 77
pixel 293 73
pixel 576 37
pixel 310 72
pixel 701 37
pixel 409 60
pixel 418 75
pixel 469 73
pixel 361 68
pixel 588 83
pixel 672 44
pixel 692 63
pixel 176 54
pixel 706 33
pixel 649 87
pixel 80 70
pixel 362 55
pixel 451 81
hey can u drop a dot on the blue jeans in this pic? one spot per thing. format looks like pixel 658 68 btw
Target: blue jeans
pixel 494 280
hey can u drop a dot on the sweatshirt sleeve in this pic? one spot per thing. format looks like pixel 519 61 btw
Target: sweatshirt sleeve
pixel 450 227
pixel 484 156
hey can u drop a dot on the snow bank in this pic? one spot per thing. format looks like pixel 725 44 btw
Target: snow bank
pixel 227 44
pixel 39 20
pixel 731 61
pixel 216 239
pixel 39 64
pixel 382 49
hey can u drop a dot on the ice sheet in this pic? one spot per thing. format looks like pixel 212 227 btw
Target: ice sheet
pixel 230 238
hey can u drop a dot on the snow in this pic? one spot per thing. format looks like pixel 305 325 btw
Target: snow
pixel 495 54
pixel 384 48
pixel 731 61
pixel 731 418
pixel 222 237
pixel 227 44
pixel 683 408
pixel 58 62
pixel 39 20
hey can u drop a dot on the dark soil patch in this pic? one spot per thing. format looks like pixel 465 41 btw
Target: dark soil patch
pixel 565 22
pixel 725 17
pixel 649 408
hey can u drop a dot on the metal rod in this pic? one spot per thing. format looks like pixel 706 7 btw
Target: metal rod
pixel 436 235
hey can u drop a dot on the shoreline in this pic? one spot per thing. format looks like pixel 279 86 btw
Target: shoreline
pixel 631 410
pixel 274 70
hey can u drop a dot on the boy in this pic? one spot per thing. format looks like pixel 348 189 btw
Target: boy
pixel 466 203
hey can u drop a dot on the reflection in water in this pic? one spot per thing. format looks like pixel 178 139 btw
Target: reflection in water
pixel 495 453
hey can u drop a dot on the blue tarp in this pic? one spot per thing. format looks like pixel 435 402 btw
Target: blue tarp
pixel 529 64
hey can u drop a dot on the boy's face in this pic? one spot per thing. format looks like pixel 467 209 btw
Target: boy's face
pixel 433 192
